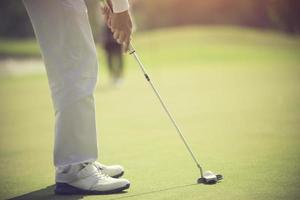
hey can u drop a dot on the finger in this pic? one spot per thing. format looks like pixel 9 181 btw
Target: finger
pixel 109 4
pixel 109 24
pixel 116 35
pixel 126 44
pixel 105 10
pixel 109 10
pixel 106 15
pixel 119 41
pixel 122 37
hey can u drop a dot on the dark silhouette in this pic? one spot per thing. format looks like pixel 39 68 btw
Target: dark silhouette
pixel 114 56
pixel 46 194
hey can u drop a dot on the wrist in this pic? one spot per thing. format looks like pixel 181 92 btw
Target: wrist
pixel 120 6
pixel 122 14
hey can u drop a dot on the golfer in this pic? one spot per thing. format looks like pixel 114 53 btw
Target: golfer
pixel 64 35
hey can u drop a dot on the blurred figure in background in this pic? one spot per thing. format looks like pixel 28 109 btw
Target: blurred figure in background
pixel 114 56
pixel 115 59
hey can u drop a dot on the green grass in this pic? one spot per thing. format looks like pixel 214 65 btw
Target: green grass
pixel 19 48
pixel 234 92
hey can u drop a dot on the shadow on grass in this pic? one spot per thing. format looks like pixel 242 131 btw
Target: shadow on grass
pixel 46 194
pixel 154 191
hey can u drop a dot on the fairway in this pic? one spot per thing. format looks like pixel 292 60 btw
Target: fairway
pixel 234 92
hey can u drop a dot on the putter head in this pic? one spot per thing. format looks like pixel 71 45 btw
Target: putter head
pixel 210 178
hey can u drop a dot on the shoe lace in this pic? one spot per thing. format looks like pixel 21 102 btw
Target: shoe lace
pixel 98 165
pixel 100 173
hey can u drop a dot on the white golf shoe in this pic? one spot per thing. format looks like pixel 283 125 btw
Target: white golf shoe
pixel 87 179
pixel 114 171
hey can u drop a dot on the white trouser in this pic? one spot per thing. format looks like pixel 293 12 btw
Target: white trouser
pixel 64 34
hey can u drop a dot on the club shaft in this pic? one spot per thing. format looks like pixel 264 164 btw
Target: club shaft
pixel 132 51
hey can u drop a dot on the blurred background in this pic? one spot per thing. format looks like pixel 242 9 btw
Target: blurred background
pixel 228 69
pixel 280 15
pixel 17 37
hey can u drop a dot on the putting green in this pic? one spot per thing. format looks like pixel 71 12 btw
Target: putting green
pixel 234 92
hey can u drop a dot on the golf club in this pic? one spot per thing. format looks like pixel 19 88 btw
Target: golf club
pixel 207 177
